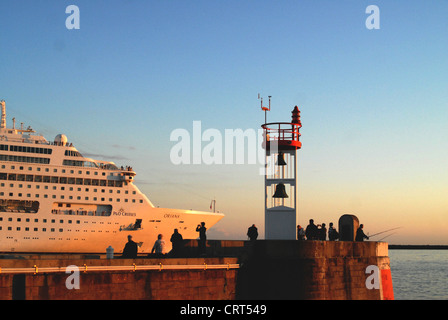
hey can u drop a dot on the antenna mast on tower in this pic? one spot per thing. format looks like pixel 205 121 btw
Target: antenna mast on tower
pixel 265 109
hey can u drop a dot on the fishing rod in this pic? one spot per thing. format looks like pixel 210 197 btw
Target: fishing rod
pixel 387 236
pixel 384 231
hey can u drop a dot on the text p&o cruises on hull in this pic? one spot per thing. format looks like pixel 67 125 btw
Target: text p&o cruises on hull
pixel 53 199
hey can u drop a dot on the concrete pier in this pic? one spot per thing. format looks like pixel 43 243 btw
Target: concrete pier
pixel 232 270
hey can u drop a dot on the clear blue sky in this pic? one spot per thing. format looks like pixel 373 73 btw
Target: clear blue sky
pixel 373 102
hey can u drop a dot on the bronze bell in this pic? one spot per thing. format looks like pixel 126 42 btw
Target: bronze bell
pixel 280 191
pixel 281 160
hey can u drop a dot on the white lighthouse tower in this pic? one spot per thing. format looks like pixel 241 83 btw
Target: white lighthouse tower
pixel 282 141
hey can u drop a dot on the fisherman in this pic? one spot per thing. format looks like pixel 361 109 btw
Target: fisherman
pixel 332 233
pixel 300 233
pixel 311 231
pixel 360 235
pixel 252 233
pixel 322 232
pixel 130 249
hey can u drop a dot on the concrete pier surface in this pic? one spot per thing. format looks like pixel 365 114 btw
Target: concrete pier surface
pixel 230 270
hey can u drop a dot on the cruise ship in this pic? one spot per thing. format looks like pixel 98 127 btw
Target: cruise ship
pixel 55 200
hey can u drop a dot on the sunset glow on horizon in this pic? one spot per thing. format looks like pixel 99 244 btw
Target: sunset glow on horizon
pixel 373 102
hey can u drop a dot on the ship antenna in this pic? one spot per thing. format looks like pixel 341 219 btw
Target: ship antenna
pixel 3 122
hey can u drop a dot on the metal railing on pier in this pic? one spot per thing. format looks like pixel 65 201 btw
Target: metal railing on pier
pixel 85 268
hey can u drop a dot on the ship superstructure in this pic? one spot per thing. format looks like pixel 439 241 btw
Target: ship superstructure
pixel 53 199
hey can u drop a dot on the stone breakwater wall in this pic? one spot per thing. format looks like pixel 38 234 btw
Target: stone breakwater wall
pixel 262 270
pixel 321 270
pixel 162 283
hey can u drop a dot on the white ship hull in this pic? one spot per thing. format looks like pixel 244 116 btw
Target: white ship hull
pixel 54 200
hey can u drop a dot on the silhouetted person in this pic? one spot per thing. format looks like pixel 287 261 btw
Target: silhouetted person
pixel 159 245
pixel 332 233
pixel 322 233
pixel 177 241
pixel 311 231
pixel 202 237
pixel 252 233
pixel 360 235
pixel 130 249
pixel 300 233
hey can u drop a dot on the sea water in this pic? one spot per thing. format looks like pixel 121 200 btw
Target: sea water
pixel 419 274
